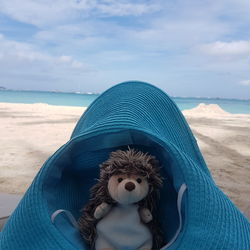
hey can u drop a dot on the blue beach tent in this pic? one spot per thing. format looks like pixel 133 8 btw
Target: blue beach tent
pixel 194 213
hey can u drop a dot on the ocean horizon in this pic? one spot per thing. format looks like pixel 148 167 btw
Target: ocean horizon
pixel 234 106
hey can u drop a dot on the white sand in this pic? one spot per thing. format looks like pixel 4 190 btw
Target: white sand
pixel 30 133
pixel 224 140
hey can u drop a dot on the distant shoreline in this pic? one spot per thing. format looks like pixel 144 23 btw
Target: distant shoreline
pixel 234 106
pixel 50 91
pixel 99 93
pixel 231 106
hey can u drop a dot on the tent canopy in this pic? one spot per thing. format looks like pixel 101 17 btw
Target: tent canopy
pixel 141 116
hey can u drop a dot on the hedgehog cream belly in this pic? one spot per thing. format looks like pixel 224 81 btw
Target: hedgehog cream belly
pixel 114 231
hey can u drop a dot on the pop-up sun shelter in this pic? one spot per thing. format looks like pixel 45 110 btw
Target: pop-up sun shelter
pixel 194 213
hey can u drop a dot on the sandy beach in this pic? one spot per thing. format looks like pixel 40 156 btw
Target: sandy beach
pixel 30 133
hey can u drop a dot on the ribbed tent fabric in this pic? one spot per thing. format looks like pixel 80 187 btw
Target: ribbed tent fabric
pixel 144 117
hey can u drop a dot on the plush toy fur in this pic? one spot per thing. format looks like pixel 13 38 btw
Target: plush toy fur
pixel 126 164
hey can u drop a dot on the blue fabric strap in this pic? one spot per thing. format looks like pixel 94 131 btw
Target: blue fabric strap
pixel 68 214
pixel 179 202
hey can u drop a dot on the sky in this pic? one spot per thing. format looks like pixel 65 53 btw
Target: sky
pixel 186 47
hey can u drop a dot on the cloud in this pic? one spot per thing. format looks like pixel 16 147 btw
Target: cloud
pixel 80 36
pixel 38 13
pixel 234 48
pixel 156 40
pixel 121 8
pixel 46 12
pixel 27 53
pixel 25 63
pixel 174 34
pixel 245 82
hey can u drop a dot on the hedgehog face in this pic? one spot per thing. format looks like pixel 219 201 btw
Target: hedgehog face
pixel 127 189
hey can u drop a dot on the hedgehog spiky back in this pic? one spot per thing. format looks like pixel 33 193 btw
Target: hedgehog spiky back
pixel 135 162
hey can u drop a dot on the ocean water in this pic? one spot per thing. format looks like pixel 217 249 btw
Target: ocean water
pixel 73 99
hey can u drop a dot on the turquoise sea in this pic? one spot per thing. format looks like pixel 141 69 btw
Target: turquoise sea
pixel 73 99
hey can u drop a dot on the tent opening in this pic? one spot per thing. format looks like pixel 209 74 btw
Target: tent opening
pixel 76 169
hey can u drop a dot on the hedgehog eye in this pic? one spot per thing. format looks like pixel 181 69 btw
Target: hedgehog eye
pixel 139 180
pixel 120 180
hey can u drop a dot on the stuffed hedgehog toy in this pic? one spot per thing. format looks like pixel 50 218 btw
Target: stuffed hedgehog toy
pixel 121 212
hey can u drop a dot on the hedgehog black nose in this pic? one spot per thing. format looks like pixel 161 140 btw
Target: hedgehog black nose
pixel 130 186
